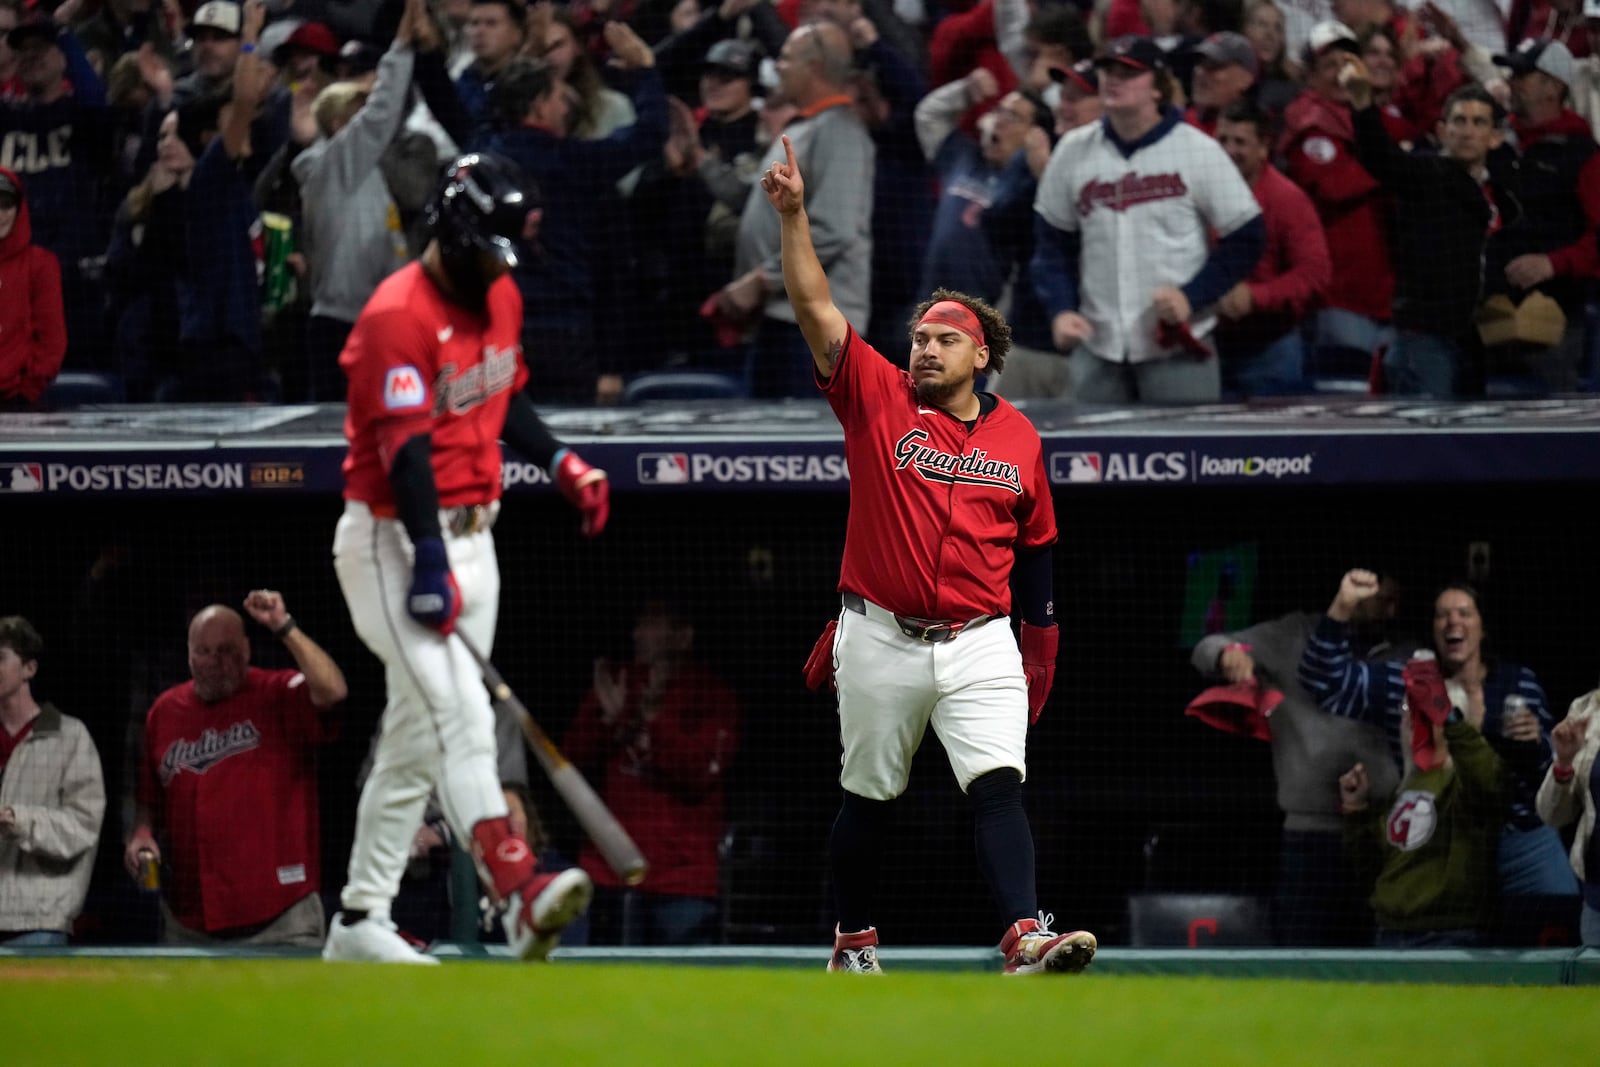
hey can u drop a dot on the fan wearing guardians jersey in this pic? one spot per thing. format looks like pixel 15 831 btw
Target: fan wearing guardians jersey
pixel 949 507
pixel 436 376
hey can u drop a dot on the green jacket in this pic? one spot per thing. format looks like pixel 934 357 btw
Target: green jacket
pixel 1434 849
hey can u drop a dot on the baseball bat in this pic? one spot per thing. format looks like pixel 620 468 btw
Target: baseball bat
pixel 608 835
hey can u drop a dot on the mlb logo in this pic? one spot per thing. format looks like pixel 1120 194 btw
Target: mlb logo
pixel 21 478
pixel 1075 467
pixel 403 388
pixel 663 468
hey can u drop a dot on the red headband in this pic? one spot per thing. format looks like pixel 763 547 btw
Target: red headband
pixel 954 313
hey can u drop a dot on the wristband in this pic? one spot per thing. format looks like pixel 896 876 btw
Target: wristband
pixel 1562 774
pixel 246 48
pixel 289 626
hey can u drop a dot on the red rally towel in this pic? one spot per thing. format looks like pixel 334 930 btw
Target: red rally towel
pixel 1241 708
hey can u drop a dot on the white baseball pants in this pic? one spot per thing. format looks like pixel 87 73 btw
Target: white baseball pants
pixel 438 725
pixel 891 687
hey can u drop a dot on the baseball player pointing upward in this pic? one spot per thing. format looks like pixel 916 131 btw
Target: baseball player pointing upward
pixel 436 377
pixel 950 502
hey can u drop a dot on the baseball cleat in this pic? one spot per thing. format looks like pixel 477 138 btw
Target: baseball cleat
pixel 1031 948
pixel 538 912
pixel 855 953
pixel 370 941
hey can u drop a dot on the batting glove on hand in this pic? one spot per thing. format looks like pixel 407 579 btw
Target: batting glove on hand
pixel 434 599
pixel 586 488
pixel 819 665
pixel 1039 647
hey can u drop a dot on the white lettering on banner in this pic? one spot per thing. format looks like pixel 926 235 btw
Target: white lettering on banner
pixel 706 467
pixel 522 474
pixel 102 477
pixel 1254 466
pixel 1146 467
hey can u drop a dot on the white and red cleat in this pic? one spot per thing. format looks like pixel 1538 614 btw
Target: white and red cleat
pixel 1031 948
pixel 855 953
pixel 538 912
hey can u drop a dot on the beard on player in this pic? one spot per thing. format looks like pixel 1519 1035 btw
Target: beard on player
pixel 938 390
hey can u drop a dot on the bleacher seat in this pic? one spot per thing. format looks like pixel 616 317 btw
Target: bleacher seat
pixel 74 389
pixel 684 385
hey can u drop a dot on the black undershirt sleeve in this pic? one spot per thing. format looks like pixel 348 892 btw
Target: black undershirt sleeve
pixel 416 497
pixel 526 432
pixel 1033 585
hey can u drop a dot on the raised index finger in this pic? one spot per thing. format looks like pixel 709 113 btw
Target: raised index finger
pixel 788 151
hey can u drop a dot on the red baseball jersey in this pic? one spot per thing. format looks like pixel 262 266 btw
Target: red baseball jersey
pixel 936 510
pixel 418 363
pixel 234 787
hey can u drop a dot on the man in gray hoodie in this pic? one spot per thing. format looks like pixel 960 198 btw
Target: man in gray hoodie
pixel 1315 901
pixel 353 235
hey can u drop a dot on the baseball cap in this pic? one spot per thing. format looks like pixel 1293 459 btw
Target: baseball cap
pixel 1331 34
pixel 733 57
pixel 1140 53
pixel 9 187
pixel 220 15
pixel 311 37
pixel 358 57
pixel 1229 48
pixel 40 28
pixel 1081 76
pixel 1549 57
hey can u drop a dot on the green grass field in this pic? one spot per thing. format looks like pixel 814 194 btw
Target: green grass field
pixel 281 1012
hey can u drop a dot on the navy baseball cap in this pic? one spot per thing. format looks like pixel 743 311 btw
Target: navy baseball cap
pixel 1229 48
pixel 1138 53
pixel 1081 76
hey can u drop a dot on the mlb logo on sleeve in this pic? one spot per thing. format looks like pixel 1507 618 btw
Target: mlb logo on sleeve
pixel 403 388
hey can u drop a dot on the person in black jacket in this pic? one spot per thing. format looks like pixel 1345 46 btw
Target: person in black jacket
pixel 1447 206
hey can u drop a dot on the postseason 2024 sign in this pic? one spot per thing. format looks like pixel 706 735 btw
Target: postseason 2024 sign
pixel 797 447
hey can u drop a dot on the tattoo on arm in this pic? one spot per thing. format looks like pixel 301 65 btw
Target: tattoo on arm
pixel 835 350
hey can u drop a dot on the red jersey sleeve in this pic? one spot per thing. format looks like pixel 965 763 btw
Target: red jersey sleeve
pixel 1036 517
pixel 1326 169
pixel 390 362
pixel 859 383
pixel 302 720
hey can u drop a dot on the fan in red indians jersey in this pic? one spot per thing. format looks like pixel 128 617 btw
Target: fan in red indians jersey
pixel 949 505
pixel 436 377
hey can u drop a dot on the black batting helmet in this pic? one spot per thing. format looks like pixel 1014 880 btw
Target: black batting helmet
pixel 480 205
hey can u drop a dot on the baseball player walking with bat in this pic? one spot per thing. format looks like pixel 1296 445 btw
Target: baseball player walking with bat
pixel 949 505
pixel 436 377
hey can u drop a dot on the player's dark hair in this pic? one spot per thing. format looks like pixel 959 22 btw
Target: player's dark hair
pixel 1473 94
pixel 1166 87
pixel 518 84
pixel 1250 113
pixel 996 331
pixel 18 634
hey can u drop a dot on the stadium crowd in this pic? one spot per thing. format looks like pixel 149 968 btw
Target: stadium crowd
pixel 197 200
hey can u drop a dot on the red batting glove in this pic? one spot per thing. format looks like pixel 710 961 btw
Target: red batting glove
pixel 586 488
pixel 1039 647
pixel 1429 704
pixel 819 665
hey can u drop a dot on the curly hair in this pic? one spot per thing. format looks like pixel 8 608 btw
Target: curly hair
pixel 996 331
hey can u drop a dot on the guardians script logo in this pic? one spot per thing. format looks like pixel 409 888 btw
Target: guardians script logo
pixel 1130 190
pixel 459 393
pixel 209 749
pixel 975 468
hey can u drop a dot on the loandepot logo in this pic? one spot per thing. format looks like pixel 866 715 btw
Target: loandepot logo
pixel 21 478
pixel 1254 466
